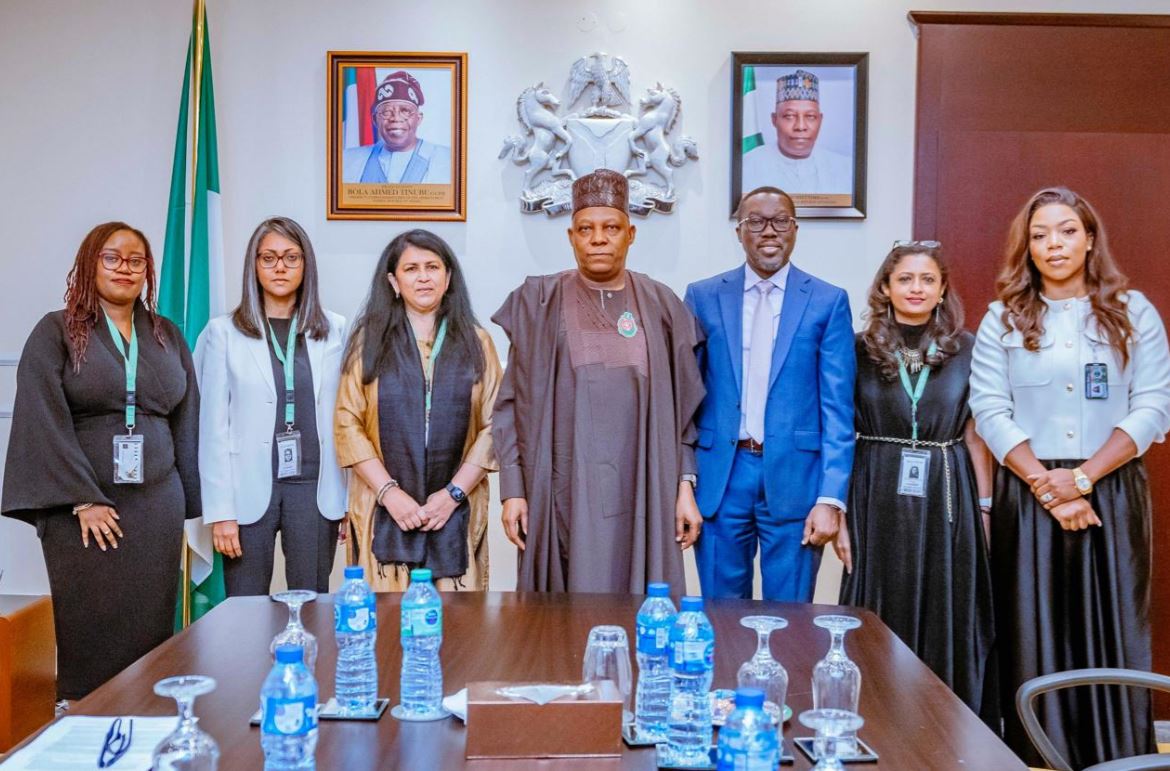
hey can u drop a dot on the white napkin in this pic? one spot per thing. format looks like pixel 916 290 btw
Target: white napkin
pixel 543 694
pixel 456 704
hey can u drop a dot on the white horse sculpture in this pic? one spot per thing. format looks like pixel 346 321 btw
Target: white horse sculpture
pixel 660 111
pixel 537 110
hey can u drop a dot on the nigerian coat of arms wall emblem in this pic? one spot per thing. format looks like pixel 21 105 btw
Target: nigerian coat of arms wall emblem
pixel 642 144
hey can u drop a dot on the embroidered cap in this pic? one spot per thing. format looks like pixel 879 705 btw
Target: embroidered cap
pixel 801 84
pixel 399 87
pixel 603 187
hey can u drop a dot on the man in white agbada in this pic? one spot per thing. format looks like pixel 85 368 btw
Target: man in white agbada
pixel 796 164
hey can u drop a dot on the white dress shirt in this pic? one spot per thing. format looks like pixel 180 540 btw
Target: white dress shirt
pixel 1019 395
pixel 751 306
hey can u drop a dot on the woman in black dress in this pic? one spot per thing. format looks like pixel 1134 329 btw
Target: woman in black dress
pixel 919 538
pixel 1070 385
pixel 108 509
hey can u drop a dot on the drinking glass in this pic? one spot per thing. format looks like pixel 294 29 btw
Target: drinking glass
pixel 836 680
pixel 188 747
pixel 295 633
pixel 831 725
pixel 764 672
pixel 607 657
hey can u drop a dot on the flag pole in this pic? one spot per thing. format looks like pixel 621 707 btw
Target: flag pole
pixel 196 87
pixel 197 82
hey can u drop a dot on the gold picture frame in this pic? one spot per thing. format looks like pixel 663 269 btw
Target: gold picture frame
pixel 398 163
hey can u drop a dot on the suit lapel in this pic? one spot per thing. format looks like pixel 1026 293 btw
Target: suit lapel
pixel 316 355
pixel 796 296
pixel 259 351
pixel 731 308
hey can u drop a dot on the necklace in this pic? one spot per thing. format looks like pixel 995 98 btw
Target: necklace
pixel 912 358
pixel 627 326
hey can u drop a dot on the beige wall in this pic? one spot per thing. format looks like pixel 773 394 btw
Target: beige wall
pixel 89 91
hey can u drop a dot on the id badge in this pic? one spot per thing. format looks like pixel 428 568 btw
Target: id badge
pixel 1097 381
pixel 913 472
pixel 128 459
pixel 288 454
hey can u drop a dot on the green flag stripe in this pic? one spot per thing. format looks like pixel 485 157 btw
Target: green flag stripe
pixel 749 79
pixel 752 142
pixel 171 281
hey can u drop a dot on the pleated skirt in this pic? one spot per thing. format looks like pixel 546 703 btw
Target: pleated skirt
pixel 1071 600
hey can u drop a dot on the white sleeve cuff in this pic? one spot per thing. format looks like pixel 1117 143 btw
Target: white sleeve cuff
pixel 832 502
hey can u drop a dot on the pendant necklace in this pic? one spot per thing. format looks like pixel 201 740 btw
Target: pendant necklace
pixel 912 358
pixel 627 326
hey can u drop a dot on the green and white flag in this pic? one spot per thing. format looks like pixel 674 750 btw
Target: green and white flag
pixel 191 284
pixel 752 138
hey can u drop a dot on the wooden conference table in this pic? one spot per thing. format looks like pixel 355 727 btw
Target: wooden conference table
pixel 912 720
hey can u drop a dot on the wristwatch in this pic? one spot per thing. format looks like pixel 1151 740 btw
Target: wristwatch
pixel 1082 481
pixel 692 478
pixel 456 493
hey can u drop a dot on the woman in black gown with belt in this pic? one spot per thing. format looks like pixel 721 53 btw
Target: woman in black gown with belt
pixel 111 530
pixel 919 538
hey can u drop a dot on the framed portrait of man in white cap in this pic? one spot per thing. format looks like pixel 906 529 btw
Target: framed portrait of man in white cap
pixel 799 124
pixel 397 146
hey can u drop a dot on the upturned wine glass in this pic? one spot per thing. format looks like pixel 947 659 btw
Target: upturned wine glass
pixel 761 670
pixel 295 633
pixel 836 680
pixel 831 726
pixel 188 747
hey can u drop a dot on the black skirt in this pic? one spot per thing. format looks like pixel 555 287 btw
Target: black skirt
pixel 1070 600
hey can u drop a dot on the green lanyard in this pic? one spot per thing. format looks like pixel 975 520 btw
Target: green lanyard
pixel 287 357
pixel 914 393
pixel 429 373
pixel 131 360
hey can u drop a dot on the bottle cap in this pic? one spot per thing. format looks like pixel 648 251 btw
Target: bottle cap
pixel 420 574
pixel 354 571
pixel 289 654
pixel 658 590
pixel 692 604
pixel 749 697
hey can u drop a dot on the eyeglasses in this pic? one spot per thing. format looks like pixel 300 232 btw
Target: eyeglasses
pixel 755 224
pixel 396 111
pixel 918 244
pixel 291 260
pixel 111 261
pixel 116 744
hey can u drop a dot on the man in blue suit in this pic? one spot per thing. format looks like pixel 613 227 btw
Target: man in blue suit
pixel 775 431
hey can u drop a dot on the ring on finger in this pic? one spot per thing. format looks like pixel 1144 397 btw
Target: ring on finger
pixel 1047 498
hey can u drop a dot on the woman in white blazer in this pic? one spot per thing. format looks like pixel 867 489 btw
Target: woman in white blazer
pixel 269 373
pixel 1070 385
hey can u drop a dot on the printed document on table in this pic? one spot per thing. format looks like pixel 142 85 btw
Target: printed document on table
pixel 75 742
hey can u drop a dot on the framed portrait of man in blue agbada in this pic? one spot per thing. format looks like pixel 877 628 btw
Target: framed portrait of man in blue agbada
pixel 799 124
pixel 397 144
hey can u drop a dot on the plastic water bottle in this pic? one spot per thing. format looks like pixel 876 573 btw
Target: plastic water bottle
pixel 288 703
pixel 692 666
pixel 356 625
pixel 652 701
pixel 422 635
pixel 748 741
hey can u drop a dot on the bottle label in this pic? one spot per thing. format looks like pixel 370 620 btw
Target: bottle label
pixel 693 656
pixel 735 754
pixel 653 640
pixel 290 717
pixel 426 621
pixel 355 618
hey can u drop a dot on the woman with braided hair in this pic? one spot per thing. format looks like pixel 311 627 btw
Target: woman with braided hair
pixel 102 458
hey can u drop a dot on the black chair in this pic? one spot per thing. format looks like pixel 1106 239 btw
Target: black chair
pixel 1054 682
